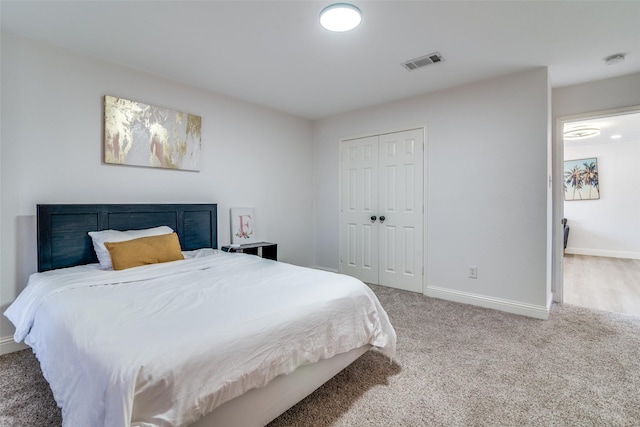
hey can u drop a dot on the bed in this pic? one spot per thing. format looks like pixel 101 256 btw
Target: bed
pixel 216 339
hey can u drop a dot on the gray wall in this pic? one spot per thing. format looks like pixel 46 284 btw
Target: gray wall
pixel 485 173
pixel 51 152
pixel 600 95
pixel 486 187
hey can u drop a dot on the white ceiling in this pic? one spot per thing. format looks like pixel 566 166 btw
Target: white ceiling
pixel 274 53
pixel 626 125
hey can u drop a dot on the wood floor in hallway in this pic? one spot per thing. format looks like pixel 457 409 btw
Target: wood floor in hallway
pixel 602 283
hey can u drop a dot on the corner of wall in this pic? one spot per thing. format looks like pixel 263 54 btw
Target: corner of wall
pixel 8 345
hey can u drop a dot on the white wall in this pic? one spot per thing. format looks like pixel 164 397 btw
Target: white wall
pixel 609 226
pixel 600 95
pixel 52 115
pixel 486 187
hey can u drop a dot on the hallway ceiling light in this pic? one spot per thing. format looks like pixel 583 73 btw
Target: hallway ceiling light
pixel 340 17
pixel 581 132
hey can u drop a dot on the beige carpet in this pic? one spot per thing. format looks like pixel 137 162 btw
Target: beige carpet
pixel 457 365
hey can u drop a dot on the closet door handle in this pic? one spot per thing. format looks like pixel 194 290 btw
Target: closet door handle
pixel 382 218
pixel 373 218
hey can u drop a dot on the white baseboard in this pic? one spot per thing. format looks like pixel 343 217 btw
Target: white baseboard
pixel 601 252
pixel 529 310
pixel 317 267
pixel 8 345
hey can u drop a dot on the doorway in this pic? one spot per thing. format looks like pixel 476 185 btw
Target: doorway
pixel 601 203
pixel 382 209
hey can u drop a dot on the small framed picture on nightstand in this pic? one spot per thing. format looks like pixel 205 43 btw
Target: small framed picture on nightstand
pixel 243 228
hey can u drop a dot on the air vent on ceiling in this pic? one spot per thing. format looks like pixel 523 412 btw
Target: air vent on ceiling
pixel 423 61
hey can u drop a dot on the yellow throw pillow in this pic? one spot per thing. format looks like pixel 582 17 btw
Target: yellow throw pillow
pixel 144 251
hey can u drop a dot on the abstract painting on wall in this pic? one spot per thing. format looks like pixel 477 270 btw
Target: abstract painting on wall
pixel 243 229
pixel 138 134
pixel 581 179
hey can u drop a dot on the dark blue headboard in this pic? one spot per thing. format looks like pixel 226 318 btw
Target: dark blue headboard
pixel 62 229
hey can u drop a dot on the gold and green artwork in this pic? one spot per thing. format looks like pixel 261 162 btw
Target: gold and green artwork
pixel 138 134
pixel 581 179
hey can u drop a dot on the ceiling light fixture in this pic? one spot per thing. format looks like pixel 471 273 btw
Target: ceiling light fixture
pixel 340 17
pixel 581 132
pixel 616 136
pixel 614 59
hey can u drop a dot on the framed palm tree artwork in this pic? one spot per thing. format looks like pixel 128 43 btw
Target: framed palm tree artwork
pixel 581 179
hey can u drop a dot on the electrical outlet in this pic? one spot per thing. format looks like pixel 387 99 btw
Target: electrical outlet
pixel 473 272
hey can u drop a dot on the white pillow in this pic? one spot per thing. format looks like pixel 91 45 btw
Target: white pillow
pixel 99 237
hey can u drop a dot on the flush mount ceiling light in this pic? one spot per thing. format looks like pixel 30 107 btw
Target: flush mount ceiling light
pixel 581 132
pixel 614 59
pixel 340 17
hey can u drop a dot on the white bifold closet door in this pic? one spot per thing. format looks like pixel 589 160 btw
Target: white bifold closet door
pixel 382 209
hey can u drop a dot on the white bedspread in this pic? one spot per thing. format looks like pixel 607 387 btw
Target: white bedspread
pixel 164 344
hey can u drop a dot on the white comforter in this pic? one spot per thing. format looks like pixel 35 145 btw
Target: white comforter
pixel 163 345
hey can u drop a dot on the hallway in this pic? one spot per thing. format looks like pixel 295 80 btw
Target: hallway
pixel 602 283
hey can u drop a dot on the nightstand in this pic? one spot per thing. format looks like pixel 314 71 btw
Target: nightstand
pixel 265 249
